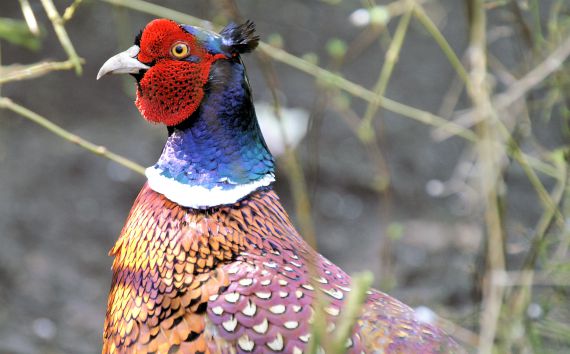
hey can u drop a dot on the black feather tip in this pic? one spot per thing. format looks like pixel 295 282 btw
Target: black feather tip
pixel 240 38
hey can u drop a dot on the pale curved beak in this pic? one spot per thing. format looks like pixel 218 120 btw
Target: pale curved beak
pixel 123 63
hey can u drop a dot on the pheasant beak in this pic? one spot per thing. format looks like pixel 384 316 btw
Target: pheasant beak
pixel 123 63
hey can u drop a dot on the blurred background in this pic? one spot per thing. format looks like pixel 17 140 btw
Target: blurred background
pixel 455 194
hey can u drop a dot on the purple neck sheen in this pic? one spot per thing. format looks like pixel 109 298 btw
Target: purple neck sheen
pixel 220 146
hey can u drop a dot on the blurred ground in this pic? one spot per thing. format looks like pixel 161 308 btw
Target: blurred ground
pixel 62 208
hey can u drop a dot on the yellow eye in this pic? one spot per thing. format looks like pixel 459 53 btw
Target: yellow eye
pixel 180 50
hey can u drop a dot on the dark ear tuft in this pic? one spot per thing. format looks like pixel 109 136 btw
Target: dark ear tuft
pixel 138 38
pixel 242 38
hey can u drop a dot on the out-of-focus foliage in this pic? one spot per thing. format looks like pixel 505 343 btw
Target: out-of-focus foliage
pixel 17 32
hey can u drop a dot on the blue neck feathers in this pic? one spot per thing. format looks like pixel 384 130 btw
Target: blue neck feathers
pixel 219 147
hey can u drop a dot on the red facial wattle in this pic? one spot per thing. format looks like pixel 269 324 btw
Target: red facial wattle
pixel 172 89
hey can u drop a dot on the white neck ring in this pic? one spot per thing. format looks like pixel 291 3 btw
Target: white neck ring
pixel 200 197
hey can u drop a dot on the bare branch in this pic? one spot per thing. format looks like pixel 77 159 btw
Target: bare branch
pixel 6 103
pixel 17 72
pixel 57 23
pixel 517 90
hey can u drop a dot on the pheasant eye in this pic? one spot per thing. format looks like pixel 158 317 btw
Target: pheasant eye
pixel 180 50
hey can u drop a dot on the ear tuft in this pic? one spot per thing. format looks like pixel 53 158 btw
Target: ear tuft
pixel 240 38
pixel 138 38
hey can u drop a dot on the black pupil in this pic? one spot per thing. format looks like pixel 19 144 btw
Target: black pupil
pixel 179 49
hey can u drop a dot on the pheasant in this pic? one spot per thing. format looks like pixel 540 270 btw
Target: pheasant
pixel 208 260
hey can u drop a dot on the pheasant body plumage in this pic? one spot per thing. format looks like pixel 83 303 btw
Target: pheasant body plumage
pixel 208 260
pixel 236 278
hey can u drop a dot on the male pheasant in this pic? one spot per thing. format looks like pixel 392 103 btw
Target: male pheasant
pixel 208 260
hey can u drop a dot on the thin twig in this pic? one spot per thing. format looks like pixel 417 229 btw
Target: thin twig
pixel 543 195
pixel 26 72
pixel 489 176
pixel 351 310
pixel 7 103
pixel 562 249
pixel 511 95
pixel 436 34
pixel 518 89
pixel 520 298
pixel 70 10
pixel 162 11
pixel 363 93
pixel 59 29
pixel 461 333
pixel 515 92
pixel 30 17
pixel 366 131
pixel 555 60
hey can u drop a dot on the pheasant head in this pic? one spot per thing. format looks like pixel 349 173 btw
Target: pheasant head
pixel 172 62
